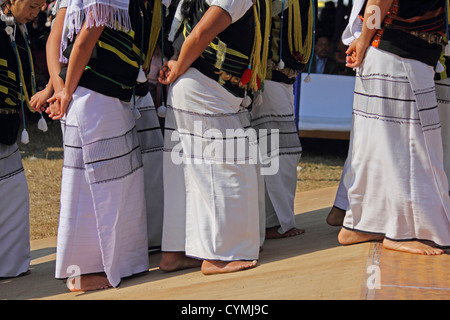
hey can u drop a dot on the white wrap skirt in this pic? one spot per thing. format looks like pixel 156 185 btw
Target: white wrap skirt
pixel 103 225
pixel 274 122
pixel 443 99
pixel 394 173
pixel 151 142
pixel 210 181
pixel 14 214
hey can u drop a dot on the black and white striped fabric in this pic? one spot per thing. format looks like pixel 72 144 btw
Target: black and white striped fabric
pixel 280 146
pixel 394 173
pixel 443 99
pixel 103 225
pixel 151 142
pixel 210 179
pixel 14 214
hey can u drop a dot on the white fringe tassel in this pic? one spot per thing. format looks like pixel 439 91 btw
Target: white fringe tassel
pixel 162 111
pixel 42 124
pixel 94 14
pixel 25 138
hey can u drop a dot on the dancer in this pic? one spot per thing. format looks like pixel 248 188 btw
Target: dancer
pixel 395 148
pixel 16 77
pixel 149 130
pixel 211 216
pixel 276 112
pixel 102 234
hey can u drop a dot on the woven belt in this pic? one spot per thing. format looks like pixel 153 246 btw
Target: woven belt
pixel 288 72
pixel 8 111
pixel 227 77
pixel 430 38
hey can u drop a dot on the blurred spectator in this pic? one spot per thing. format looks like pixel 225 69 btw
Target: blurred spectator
pixel 322 61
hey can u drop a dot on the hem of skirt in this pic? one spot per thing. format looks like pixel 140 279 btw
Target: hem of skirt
pixel 210 259
pixel 337 207
pixel 364 231
pixel 135 274
pixel 172 251
pixel 116 286
pixel 418 239
pixel 80 275
pixel 21 274
pixel 154 249
pixel 222 259
pixel 398 240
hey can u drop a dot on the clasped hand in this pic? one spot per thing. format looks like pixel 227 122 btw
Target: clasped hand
pixel 58 105
pixel 355 53
pixel 39 100
pixel 168 72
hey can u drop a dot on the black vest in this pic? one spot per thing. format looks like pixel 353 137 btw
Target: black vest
pixel 234 44
pixel 115 60
pixel 395 36
pixel 10 76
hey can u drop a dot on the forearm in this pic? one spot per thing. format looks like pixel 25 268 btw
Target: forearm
pixel 373 8
pixel 212 23
pixel 374 15
pixel 50 88
pixel 53 51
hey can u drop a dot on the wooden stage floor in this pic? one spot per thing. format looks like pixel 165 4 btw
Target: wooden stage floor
pixel 312 266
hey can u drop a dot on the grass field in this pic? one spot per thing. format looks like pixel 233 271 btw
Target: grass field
pixel 320 166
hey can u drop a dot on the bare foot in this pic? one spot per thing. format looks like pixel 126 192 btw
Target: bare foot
pixel 88 282
pixel 216 267
pixel 173 261
pixel 347 237
pixel 272 233
pixel 336 217
pixel 411 247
